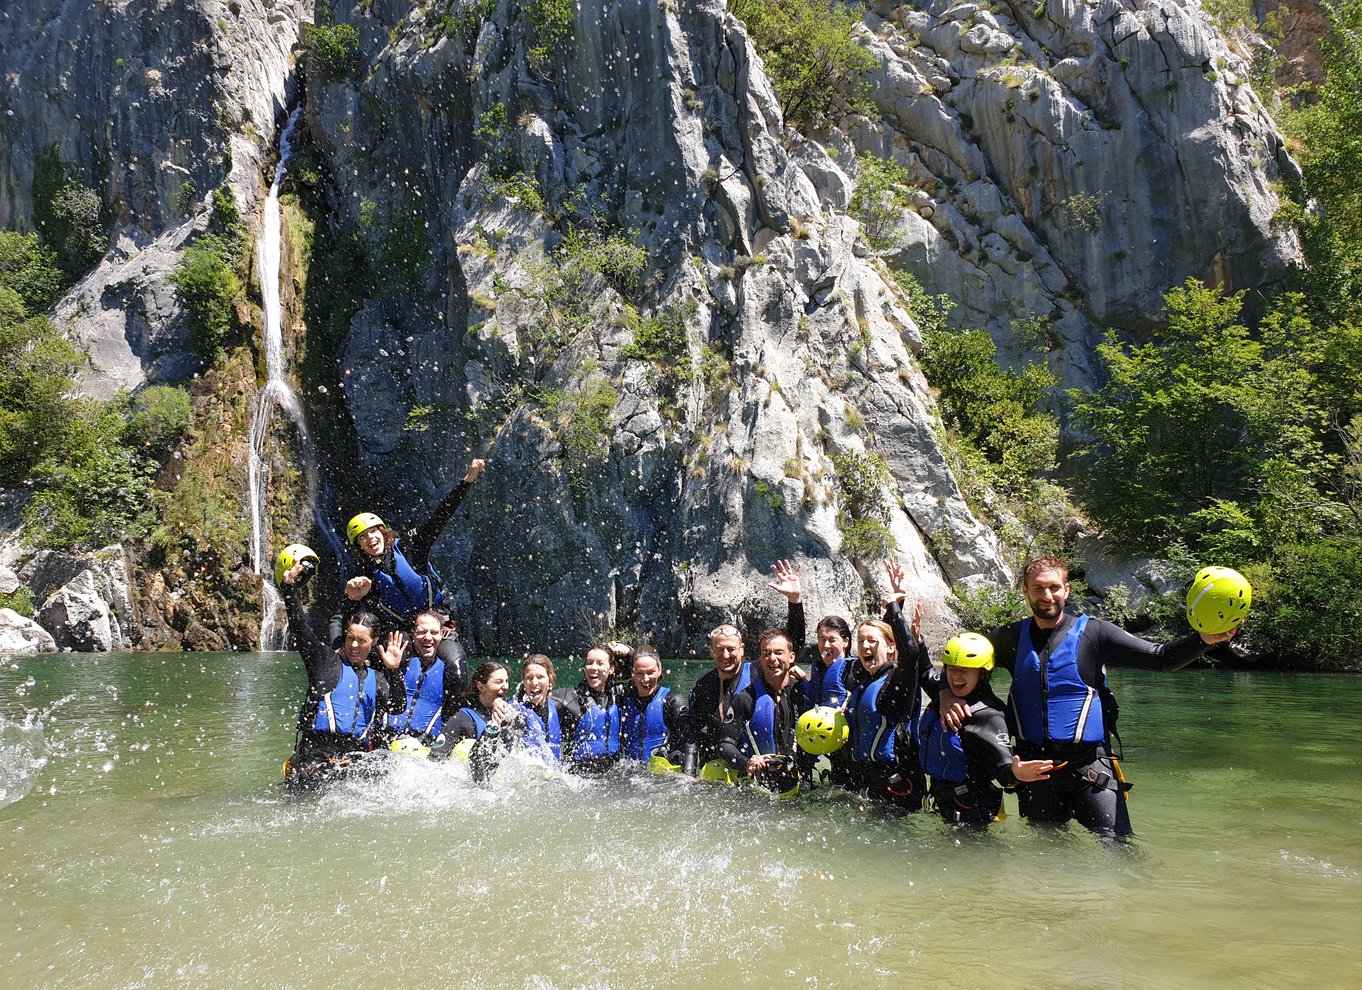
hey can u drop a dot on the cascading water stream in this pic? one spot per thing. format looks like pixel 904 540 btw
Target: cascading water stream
pixel 277 393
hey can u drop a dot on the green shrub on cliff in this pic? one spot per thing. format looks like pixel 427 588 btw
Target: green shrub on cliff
pixel 206 284
pixel 881 197
pixel 333 48
pixel 864 487
pixel 811 54
pixel 37 366
pixel 70 216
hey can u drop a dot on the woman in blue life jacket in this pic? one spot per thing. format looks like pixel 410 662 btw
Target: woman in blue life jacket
pixel 967 766
pixel 653 717
pixel 345 696
pixel 535 694
pixel 433 687
pixel 495 726
pixel 877 708
pixel 590 717
pixel 390 575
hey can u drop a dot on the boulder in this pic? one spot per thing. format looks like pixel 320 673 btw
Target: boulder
pixel 21 637
pixel 86 600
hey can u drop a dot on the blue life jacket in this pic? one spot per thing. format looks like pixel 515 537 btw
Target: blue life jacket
pixel 940 750
pixel 425 700
pixel 1050 702
pixel 760 736
pixel 539 734
pixel 348 708
pixel 598 731
pixel 479 723
pixel 641 732
pixel 824 686
pixel 872 735
pixel 404 592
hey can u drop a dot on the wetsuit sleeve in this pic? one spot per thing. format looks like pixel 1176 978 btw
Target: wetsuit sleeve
pixel 731 733
pixel 455 684
pixel 423 537
pixel 795 626
pixel 391 691
pixel 674 716
pixel 1110 644
pixel 899 698
pixel 987 745
pixel 569 714
pixel 1005 640
pixel 322 663
pixel 456 729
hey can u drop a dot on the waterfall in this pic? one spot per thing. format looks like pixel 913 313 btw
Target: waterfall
pixel 277 393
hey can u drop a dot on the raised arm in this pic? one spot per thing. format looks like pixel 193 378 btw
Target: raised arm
pixel 423 537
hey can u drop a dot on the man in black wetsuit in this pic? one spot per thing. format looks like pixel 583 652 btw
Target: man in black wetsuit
pixel 761 735
pixel 711 700
pixel 1060 708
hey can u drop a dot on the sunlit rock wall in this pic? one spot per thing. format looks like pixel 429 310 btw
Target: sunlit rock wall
pixel 1075 160
pixel 139 97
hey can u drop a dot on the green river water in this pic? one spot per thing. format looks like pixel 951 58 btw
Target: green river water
pixel 147 843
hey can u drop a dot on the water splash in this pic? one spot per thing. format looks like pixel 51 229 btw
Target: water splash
pixel 277 393
pixel 23 754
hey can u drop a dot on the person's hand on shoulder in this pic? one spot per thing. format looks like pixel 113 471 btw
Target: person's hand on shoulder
pixel 357 587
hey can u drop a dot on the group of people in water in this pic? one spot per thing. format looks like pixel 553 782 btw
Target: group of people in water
pixel 869 711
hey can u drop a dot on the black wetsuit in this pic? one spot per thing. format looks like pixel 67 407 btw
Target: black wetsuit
pixel 416 546
pixel 901 783
pixel 1086 788
pixel 494 740
pixel 985 740
pixel 320 753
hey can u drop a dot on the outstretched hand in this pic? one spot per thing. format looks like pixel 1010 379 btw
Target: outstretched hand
pixel 1030 771
pixel 917 622
pixel 898 582
pixel 391 652
pixel 787 581
pixel 1213 639
pixel 475 468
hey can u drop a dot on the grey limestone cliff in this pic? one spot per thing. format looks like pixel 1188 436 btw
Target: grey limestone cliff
pixel 1072 161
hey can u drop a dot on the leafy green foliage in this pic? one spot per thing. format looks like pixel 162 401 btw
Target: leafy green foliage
pixel 929 312
pixel 206 284
pixel 581 421
pixel 552 22
pixel 863 487
pixel 93 490
pixel 986 606
pixel 20 600
pixel 37 366
pixel 882 195
pixel 1006 438
pixel 663 341
pixel 70 216
pixel 157 417
pixel 811 54
pixel 28 267
pixel 333 49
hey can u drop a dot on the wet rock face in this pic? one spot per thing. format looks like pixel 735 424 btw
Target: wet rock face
pixel 86 601
pixel 1073 161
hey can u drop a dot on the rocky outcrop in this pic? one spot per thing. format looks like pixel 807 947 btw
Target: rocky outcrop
pixel 86 601
pixel 21 637
pixel 154 103
pixel 1073 161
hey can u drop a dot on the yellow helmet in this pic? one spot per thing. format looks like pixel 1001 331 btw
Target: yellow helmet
pixel 660 765
pixel 968 649
pixel 718 772
pixel 290 557
pixel 409 746
pixel 822 730
pixel 1218 600
pixel 361 523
